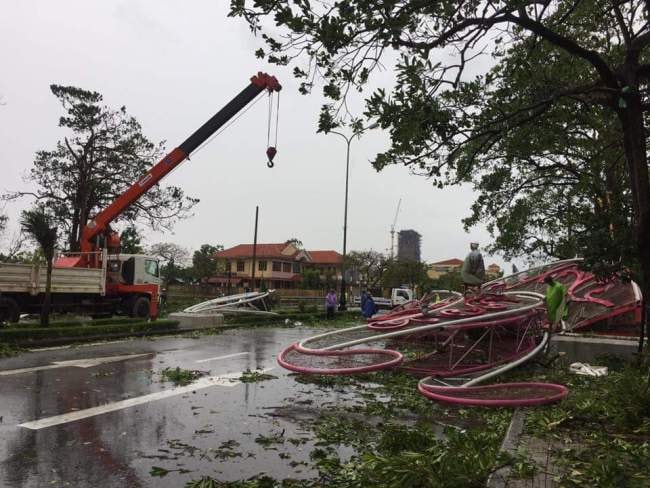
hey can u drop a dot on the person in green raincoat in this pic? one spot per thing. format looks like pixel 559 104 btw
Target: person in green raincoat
pixel 556 302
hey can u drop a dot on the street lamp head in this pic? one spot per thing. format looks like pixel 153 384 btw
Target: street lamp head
pixel 372 126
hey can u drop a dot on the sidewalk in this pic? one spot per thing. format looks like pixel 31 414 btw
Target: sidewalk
pixel 540 452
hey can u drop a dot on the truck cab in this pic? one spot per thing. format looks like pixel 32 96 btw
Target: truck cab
pixel 133 269
pixel 135 279
pixel 400 296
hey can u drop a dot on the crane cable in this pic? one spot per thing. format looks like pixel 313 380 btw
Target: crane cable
pixel 271 151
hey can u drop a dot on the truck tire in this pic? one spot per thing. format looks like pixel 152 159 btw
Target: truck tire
pixel 9 310
pixel 140 308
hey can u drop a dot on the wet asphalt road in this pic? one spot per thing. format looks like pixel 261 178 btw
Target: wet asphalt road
pixel 211 431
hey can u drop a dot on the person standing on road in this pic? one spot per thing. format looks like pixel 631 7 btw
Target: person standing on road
pixel 330 304
pixel 364 298
pixel 473 271
pixel 556 303
pixel 369 308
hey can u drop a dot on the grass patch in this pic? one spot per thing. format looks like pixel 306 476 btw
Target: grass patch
pixel 396 436
pixel 104 321
pixel 603 425
pixel 9 350
pixel 180 377
pixel 27 334
pixel 77 322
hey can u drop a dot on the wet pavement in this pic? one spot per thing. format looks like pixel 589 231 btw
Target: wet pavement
pixel 225 429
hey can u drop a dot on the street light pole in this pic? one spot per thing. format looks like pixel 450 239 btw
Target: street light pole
pixel 348 141
pixel 342 301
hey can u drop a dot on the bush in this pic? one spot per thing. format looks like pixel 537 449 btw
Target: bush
pixel 104 321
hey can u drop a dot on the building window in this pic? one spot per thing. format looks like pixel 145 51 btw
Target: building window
pixel 277 266
pixel 296 267
pixel 261 266
pixel 286 267
pixel 228 267
pixel 240 266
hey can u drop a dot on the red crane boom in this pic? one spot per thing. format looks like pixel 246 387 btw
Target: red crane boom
pixel 99 225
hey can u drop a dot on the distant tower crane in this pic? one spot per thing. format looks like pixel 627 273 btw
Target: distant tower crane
pixel 392 230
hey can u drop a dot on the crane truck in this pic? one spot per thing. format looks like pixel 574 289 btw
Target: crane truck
pixel 99 280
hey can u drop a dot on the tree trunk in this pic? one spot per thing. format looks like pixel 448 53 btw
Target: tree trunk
pixel 45 310
pixel 74 230
pixel 635 153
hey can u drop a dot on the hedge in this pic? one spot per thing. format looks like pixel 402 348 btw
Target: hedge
pixel 25 334
pixel 93 322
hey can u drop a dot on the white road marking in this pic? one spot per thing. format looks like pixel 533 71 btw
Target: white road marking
pixel 75 363
pixel 223 380
pixel 76 346
pixel 223 357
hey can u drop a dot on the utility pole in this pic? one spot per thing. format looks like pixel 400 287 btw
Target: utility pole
pixel 257 209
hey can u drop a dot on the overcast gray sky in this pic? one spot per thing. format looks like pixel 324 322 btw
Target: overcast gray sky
pixel 174 64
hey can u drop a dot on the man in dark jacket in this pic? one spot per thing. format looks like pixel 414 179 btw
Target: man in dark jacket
pixel 369 308
pixel 364 297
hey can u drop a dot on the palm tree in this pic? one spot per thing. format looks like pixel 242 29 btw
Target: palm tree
pixel 38 225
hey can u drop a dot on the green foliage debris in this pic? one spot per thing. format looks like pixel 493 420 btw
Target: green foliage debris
pixel 249 376
pixel 180 377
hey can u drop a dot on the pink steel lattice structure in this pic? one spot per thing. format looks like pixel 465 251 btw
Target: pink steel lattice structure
pixel 461 341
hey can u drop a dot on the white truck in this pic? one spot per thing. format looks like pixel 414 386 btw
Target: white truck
pixel 100 280
pixel 398 296
pixel 114 288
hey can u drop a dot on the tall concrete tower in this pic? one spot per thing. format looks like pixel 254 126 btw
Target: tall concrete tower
pixel 408 245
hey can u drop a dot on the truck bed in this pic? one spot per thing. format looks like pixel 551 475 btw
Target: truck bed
pixel 27 278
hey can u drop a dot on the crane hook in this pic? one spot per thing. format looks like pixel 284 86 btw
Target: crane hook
pixel 270 153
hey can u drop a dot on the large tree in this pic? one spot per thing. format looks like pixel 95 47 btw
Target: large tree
pixel 369 265
pixel 560 192
pixel 173 259
pixel 295 242
pixel 103 154
pixel 3 224
pixel 131 241
pixel 205 263
pixel 404 272
pixel 448 106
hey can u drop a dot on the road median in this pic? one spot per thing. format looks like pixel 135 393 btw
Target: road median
pixel 67 332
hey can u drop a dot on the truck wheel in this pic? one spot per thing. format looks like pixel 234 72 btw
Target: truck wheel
pixel 9 311
pixel 140 308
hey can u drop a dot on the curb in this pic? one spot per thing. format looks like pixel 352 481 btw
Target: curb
pixel 59 341
pixel 499 478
